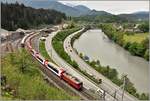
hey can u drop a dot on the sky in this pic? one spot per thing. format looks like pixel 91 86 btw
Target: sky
pixel 114 7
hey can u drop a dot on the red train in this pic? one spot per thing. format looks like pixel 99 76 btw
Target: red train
pixel 59 71
pixel 73 81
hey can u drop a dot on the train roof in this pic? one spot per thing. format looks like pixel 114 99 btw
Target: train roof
pixel 54 65
pixel 24 38
pixel 40 56
pixel 72 77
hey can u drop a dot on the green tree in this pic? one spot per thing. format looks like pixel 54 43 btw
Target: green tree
pixel 81 55
pixel 22 61
pixel 93 63
pixel 144 96
pixel 146 43
pixel 126 45
pixel 107 71
pixel 98 62
pixel 74 64
pixel 137 49
pixel 132 48
pixel 144 27
pixel 113 73
pixel 140 50
pixel 146 55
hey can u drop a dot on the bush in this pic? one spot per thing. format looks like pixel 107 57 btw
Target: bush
pixel 137 49
pixel 144 96
pixel 57 43
pixel 74 64
pixel 146 55
pixel 126 45
pixel 144 27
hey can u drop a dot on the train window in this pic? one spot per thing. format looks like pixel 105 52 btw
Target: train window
pixel 40 59
pixel 32 52
pixel 53 68
pixel 76 79
pixel 67 73
pixel 22 45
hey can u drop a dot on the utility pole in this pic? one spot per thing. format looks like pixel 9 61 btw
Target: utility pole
pixel 115 95
pixel 104 94
pixel 124 82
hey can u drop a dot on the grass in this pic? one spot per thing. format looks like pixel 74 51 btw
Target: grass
pixel 135 38
pixel 43 51
pixel 57 43
pixel 24 77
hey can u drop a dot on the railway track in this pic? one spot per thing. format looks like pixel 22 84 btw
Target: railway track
pixel 57 81
pixel 17 46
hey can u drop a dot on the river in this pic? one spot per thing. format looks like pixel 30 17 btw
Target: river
pixel 96 45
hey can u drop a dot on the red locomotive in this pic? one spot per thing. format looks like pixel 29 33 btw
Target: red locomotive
pixel 73 81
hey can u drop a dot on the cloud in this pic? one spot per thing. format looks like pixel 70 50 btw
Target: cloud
pixel 115 7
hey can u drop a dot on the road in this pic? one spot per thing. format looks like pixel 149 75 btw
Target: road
pixel 55 80
pixel 87 83
pixel 106 85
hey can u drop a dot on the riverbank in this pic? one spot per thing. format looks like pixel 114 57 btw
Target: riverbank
pixel 136 48
pixel 91 49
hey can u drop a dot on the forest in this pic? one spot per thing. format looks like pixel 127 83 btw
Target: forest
pixel 17 15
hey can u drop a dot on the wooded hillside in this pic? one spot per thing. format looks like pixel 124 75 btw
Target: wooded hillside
pixel 17 15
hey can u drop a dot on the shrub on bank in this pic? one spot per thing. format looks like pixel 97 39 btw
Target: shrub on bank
pixel 112 74
pixel 138 49
pixel 57 43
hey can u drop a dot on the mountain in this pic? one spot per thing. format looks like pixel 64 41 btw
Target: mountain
pixel 98 13
pixel 82 9
pixel 75 11
pixel 49 4
pixel 100 18
pixel 136 16
pixel 68 9
pixel 141 12
pixel 144 15
pixel 69 4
